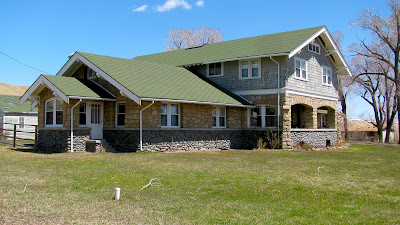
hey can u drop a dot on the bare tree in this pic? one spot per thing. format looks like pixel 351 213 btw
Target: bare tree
pixel 345 84
pixel 372 89
pixel 385 44
pixel 189 38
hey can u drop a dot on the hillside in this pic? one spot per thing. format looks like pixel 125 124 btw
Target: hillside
pixel 8 89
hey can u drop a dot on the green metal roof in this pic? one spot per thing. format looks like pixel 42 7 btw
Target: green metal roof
pixel 11 104
pixel 72 86
pixel 160 81
pixel 284 42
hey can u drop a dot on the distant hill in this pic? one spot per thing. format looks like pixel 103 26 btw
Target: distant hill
pixel 8 89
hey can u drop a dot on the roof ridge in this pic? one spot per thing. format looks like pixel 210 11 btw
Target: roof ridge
pixel 216 43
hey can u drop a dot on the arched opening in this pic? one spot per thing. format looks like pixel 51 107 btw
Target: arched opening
pixel 301 116
pixel 325 117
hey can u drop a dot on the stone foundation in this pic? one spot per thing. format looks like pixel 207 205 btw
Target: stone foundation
pixel 58 139
pixel 316 138
pixel 127 140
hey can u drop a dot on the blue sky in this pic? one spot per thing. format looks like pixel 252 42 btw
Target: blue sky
pixel 42 34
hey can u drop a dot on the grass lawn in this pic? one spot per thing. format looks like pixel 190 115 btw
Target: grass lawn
pixel 356 185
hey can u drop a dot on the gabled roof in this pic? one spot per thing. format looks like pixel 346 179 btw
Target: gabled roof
pixel 155 81
pixel 286 43
pixel 269 44
pixel 11 104
pixel 67 88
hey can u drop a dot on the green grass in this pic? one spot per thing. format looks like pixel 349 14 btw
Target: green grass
pixel 356 185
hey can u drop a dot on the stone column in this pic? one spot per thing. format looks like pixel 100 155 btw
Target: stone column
pixel 314 118
pixel 286 125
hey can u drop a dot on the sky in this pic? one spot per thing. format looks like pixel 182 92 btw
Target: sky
pixel 41 34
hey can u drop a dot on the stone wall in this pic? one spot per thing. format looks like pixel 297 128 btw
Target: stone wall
pixel 311 104
pixel 314 138
pixel 58 139
pixel 127 140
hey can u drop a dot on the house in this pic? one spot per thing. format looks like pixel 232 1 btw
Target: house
pixel 222 95
pixel 11 112
pixel 363 130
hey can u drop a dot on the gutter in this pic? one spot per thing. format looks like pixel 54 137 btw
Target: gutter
pixel 279 96
pixel 72 124
pixel 141 127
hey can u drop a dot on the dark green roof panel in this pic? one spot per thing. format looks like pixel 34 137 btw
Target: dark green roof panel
pixel 10 103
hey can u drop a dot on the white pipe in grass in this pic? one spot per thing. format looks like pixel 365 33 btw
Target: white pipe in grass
pixel 117 193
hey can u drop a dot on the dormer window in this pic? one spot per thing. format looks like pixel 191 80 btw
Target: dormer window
pixel 313 48
pixel 90 74
pixel 215 69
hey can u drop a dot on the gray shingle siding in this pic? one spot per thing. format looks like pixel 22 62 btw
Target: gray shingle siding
pixel 268 80
pixel 231 80
pixel 315 62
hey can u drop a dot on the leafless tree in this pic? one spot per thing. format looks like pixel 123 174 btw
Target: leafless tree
pixel 385 43
pixel 189 38
pixel 372 88
pixel 345 84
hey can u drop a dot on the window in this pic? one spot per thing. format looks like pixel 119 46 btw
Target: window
pixel 54 112
pixel 270 116
pixel 91 74
pixel 326 76
pixel 21 122
pixel 263 116
pixel 250 69
pixel 82 113
pixel 120 118
pixel 215 69
pixel 300 69
pixel 255 117
pixel 170 115
pixel 219 117
pixel 313 48
pixel 323 121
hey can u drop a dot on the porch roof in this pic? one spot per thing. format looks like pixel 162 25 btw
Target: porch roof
pixel 66 88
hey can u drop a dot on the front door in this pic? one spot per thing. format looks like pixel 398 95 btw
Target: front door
pixel 95 120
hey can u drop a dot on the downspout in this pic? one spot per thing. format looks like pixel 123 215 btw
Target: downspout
pixel 279 96
pixel 141 128
pixel 72 125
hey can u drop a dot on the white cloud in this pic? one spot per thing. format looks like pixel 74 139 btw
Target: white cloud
pixel 200 3
pixel 141 8
pixel 172 4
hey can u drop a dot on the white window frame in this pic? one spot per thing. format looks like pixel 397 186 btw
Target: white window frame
pixel 250 69
pixel 169 115
pixel 116 114
pixel 21 122
pixel 218 75
pixel 91 74
pixel 314 45
pixel 263 116
pixel 295 68
pixel 326 83
pixel 218 116
pixel 86 114
pixel 54 124
pixel 323 120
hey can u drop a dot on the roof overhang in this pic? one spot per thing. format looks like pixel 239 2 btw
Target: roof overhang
pixel 42 82
pixel 76 60
pixel 194 102
pixel 330 46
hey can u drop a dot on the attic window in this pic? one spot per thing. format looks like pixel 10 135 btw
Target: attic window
pixel 313 48
pixel 214 69
pixel 90 74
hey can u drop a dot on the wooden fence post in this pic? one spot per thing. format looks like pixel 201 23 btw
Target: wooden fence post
pixel 15 134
